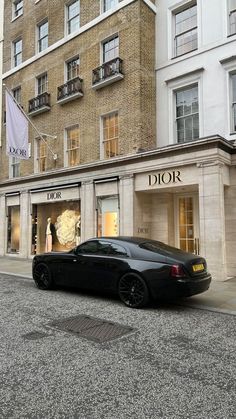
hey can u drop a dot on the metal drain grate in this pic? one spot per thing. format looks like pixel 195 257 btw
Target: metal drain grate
pixel 34 335
pixel 97 330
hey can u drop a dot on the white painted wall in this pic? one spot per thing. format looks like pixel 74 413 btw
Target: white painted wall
pixel 214 44
pixel 1 58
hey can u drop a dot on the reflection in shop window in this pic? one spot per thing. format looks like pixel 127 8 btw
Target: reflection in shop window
pixel 13 229
pixel 73 151
pixel 61 221
pixel 108 217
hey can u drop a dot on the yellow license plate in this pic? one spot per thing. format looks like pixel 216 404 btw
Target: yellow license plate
pixel 199 267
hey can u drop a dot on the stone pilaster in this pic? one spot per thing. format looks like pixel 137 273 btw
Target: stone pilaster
pixel 126 205
pixel 25 225
pixel 212 218
pixel 88 221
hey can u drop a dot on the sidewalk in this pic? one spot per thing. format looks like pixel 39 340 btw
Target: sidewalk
pixel 220 297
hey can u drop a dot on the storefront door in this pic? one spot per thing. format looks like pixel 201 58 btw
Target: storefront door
pixel 108 217
pixel 187 228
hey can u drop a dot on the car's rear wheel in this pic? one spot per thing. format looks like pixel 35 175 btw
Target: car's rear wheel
pixel 42 277
pixel 133 291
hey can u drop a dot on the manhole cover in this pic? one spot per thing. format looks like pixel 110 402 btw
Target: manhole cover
pixel 97 330
pixel 34 335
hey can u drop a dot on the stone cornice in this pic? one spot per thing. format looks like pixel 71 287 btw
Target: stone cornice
pixel 119 165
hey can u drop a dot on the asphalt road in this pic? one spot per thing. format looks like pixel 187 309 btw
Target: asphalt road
pixel 178 362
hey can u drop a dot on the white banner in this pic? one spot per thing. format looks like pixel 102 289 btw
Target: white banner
pixel 16 130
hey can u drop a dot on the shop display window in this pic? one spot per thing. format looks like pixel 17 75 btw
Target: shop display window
pixel 108 217
pixel 13 229
pixel 55 226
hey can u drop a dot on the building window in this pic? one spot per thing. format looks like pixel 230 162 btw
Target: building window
pixel 109 4
pixel 108 216
pixel 232 17
pixel 73 16
pixel 42 36
pixel 111 49
pixel 187 114
pixel 42 156
pixel 185 30
pixel 17 8
pixel 73 150
pixel 110 135
pixel 17 52
pixel 233 106
pixel 13 229
pixel 72 69
pixel 17 94
pixel 14 167
pixel 42 84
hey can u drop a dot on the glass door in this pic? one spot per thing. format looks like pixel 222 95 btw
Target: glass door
pixel 187 221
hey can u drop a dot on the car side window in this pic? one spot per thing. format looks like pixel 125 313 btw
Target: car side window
pixel 89 248
pixel 103 247
pixel 117 250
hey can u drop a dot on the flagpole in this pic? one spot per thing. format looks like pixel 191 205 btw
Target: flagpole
pixel 34 127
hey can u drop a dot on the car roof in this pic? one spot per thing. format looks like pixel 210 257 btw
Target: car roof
pixel 127 239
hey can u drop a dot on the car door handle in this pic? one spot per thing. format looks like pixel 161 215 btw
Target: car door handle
pixel 74 260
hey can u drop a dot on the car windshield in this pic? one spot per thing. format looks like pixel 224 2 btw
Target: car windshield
pixel 158 247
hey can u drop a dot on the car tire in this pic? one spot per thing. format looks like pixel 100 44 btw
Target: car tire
pixel 42 277
pixel 133 291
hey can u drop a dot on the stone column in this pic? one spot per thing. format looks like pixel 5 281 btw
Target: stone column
pixel 212 218
pixel 88 220
pixel 25 225
pixel 2 225
pixel 126 205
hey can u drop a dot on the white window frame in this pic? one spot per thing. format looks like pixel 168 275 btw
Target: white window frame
pixel 66 154
pixel 14 55
pixel 14 9
pixel 111 7
pixel 16 96
pixel 184 117
pixel 37 158
pixel 66 79
pixel 14 162
pixel 39 40
pixel 231 103
pixel 102 153
pixel 179 84
pixel 172 11
pixel 37 84
pixel 110 38
pixel 67 16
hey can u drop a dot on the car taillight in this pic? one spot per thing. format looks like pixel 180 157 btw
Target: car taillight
pixel 177 271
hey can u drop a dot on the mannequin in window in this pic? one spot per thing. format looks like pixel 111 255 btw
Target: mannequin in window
pixel 49 235
pixel 77 231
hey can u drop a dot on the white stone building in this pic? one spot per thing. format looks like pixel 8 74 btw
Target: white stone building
pixel 196 94
pixel 1 48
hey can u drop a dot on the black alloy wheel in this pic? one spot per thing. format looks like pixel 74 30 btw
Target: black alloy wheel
pixel 42 277
pixel 133 291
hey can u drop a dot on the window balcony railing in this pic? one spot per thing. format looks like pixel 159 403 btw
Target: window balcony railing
pixel 107 73
pixel 39 104
pixel 71 90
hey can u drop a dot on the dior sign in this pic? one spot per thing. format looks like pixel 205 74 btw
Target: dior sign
pixel 164 178
pixel 53 195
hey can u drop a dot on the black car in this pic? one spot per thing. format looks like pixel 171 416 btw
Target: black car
pixel 136 269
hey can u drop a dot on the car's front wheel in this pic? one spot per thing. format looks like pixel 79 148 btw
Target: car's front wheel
pixel 42 277
pixel 133 291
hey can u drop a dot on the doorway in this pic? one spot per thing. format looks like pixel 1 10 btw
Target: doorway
pixel 187 223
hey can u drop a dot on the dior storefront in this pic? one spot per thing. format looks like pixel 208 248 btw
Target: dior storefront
pixel 184 196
